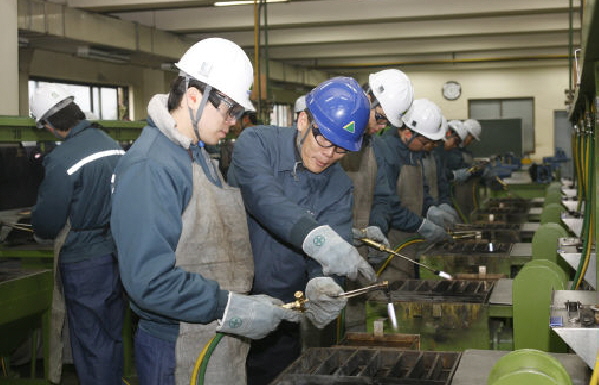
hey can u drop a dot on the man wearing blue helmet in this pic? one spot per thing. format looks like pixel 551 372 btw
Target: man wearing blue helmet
pixel 299 205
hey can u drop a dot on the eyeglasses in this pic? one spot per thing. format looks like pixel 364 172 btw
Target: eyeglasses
pixel 378 117
pixel 324 142
pixel 234 109
pixel 423 139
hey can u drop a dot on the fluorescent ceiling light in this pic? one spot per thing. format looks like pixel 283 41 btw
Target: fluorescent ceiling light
pixel 244 2
pixel 100 54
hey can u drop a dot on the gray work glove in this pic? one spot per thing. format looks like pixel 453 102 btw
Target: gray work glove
pixel 431 232
pixel 336 255
pixel 254 316
pixel 440 217
pixel 322 307
pixel 372 232
pixel 451 211
pixel 461 175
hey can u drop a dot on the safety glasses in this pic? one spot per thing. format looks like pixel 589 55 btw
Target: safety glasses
pixel 324 142
pixel 422 139
pixel 234 109
pixel 380 117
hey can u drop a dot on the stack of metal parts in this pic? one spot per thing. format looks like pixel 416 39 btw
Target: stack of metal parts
pixel 342 365
pixel 448 315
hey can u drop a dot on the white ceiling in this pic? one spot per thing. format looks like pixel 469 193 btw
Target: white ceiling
pixel 351 36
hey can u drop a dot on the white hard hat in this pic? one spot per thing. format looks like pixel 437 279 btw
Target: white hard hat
pixel 300 104
pixel 48 100
pixel 473 127
pixel 444 124
pixel 458 127
pixel 462 132
pixel 393 89
pixel 424 117
pixel 223 65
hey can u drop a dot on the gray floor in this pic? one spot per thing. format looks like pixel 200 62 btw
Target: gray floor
pixel 69 375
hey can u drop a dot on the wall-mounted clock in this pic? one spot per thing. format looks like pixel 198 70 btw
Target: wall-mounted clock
pixel 451 90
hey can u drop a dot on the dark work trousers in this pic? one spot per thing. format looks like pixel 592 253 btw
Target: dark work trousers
pixel 95 309
pixel 154 359
pixel 269 356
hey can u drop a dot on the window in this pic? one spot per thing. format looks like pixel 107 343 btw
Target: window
pixel 98 102
pixel 281 115
pixel 512 108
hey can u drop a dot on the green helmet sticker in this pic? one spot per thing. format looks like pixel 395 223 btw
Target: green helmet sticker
pixel 235 322
pixel 319 240
pixel 350 127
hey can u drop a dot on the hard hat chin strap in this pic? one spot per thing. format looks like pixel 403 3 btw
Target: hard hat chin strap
pixel 195 120
pixel 300 140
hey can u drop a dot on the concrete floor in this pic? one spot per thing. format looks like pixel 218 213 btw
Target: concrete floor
pixel 69 375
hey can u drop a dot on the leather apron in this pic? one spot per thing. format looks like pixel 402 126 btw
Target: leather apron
pixel 59 341
pixel 430 172
pixel 214 243
pixel 410 190
pixel 466 193
pixel 361 167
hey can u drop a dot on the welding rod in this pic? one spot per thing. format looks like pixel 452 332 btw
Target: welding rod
pixel 22 227
pixel 384 248
pixel 363 290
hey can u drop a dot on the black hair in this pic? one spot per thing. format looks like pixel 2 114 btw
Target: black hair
pixel 66 118
pixel 178 90
pixel 252 116
pixel 368 91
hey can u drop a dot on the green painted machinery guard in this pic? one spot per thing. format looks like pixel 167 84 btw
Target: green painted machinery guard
pixel 530 367
pixel 545 243
pixel 552 212
pixel 531 299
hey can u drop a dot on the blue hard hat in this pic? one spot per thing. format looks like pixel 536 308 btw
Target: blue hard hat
pixel 341 109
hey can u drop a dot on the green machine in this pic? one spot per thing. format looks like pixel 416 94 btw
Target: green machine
pixel 528 366
pixel 448 315
pixel 531 298
pixel 25 298
pixel 18 129
pixel 521 185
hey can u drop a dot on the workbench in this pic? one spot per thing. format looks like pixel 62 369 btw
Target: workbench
pixel 25 299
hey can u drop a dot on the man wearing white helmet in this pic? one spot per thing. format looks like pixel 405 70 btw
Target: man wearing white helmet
pixel 73 208
pixel 436 176
pixel 458 162
pixel 413 210
pixel 184 251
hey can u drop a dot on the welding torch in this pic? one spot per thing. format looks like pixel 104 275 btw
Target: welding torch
pixel 300 299
pixel 381 247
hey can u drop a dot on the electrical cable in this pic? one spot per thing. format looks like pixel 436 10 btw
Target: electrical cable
pixel 407 242
pixel 595 377
pixel 588 229
pixel 201 364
